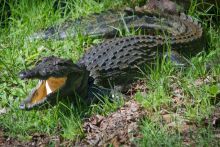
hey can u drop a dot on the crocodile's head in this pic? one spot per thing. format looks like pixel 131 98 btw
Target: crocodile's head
pixel 58 79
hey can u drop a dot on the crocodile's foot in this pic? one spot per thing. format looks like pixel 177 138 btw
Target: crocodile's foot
pixel 58 78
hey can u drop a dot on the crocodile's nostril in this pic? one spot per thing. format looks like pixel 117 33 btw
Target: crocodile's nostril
pixel 22 75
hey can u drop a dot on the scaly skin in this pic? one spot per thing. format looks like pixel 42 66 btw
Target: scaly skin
pixel 118 60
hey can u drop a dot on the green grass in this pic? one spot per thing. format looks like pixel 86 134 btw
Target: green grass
pixel 17 53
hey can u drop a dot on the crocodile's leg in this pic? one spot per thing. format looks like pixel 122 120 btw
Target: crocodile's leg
pixel 96 93
pixel 177 59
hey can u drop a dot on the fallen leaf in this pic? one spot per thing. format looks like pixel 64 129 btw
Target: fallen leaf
pixel 3 111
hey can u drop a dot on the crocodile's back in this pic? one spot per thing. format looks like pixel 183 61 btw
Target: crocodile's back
pixel 118 60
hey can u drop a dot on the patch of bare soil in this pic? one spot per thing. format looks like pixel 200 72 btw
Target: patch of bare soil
pixel 214 122
pixel 117 128
pixel 7 141
pixel 162 6
pixel 36 140
pixel 2 139
pixel 138 86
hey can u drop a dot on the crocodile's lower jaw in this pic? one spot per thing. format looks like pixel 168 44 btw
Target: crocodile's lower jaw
pixel 42 90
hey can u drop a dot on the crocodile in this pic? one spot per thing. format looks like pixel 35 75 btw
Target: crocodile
pixel 116 61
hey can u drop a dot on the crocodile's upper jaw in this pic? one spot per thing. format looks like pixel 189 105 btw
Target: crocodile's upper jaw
pixel 43 90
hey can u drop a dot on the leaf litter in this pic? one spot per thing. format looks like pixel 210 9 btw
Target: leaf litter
pixel 117 128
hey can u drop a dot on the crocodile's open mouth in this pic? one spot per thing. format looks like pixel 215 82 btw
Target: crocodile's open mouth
pixel 43 90
pixel 58 78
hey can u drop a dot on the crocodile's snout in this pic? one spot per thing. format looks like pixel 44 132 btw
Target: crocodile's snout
pixel 24 75
pixel 31 74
